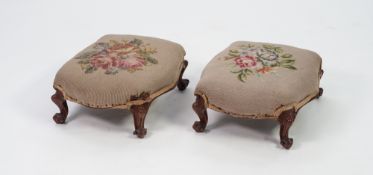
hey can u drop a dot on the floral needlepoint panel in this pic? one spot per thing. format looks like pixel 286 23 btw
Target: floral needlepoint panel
pixel 114 56
pixel 250 60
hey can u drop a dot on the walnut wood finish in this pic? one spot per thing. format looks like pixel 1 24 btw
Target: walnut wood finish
pixel 183 83
pixel 286 119
pixel 139 113
pixel 200 108
pixel 60 101
pixel 321 90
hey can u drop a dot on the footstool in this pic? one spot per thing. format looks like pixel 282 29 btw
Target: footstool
pixel 259 81
pixel 120 71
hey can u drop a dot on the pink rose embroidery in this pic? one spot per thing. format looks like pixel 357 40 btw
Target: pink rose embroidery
pixel 246 61
pixel 258 60
pixel 114 56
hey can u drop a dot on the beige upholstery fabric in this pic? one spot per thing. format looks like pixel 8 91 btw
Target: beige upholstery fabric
pixel 260 80
pixel 116 67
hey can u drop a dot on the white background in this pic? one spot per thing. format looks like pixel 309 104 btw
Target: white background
pixel 331 135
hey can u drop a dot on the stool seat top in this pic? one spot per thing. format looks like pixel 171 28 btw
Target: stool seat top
pixel 260 80
pixel 116 69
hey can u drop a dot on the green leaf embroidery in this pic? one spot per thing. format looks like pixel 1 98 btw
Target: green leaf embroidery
pixel 85 61
pixel 233 54
pixel 152 60
pixel 278 49
pixel 287 62
pixel 136 42
pixel 289 67
pixel 247 71
pixel 286 55
pixel 242 77
pixel 259 60
pixel 266 46
pixel 89 69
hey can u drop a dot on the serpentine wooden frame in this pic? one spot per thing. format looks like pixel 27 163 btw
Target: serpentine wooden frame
pixel 286 115
pixel 139 105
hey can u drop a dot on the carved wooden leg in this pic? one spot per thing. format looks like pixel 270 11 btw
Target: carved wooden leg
pixel 139 114
pixel 60 101
pixel 200 108
pixel 321 90
pixel 286 119
pixel 183 83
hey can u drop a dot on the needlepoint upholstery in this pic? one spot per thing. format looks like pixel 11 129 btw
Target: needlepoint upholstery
pixel 116 68
pixel 260 80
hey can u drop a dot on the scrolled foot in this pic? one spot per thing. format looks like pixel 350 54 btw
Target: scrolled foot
pixel 60 101
pixel 139 113
pixel 287 143
pixel 200 108
pixel 140 132
pixel 59 118
pixel 199 126
pixel 321 91
pixel 286 119
pixel 183 84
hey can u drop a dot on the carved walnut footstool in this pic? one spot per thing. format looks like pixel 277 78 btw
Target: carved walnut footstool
pixel 259 81
pixel 120 71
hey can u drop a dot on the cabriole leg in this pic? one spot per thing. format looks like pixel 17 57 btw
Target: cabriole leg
pixel 182 84
pixel 60 101
pixel 286 119
pixel 200 108
pixel 139 113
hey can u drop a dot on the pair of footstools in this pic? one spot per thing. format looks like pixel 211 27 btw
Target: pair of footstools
pixel 248 80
